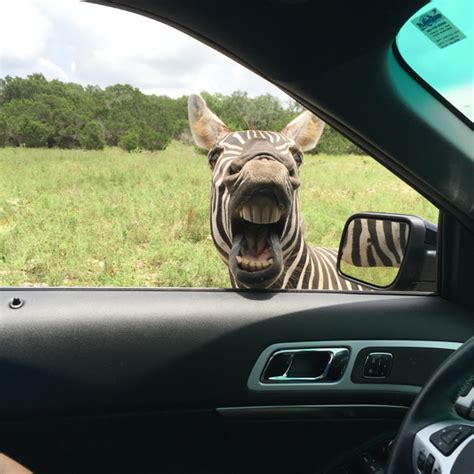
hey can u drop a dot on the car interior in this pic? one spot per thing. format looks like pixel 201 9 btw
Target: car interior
pixel 149 380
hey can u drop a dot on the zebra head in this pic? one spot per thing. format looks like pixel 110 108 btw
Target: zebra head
pixel 255 219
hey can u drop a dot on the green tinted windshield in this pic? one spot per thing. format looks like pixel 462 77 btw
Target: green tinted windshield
pixel 437 43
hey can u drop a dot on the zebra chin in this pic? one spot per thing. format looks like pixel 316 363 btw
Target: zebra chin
pixel 256 278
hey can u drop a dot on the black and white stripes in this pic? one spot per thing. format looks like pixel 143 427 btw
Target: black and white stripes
pixel 303 267
pixel 375 243
pixel 255 217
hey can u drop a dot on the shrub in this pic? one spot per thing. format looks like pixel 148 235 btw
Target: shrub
pixel 29 132
pixel 74 116
pixel 92 136
pixel 333 143
pixel 3 132
pixel 152 140
pixel 129 140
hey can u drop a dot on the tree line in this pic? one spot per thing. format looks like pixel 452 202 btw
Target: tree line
pixel 35 112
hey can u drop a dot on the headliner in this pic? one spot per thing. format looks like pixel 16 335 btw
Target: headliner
pixel 304 35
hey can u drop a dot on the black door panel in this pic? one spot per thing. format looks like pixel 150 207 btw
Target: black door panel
pixel 157 380
pixel 68 352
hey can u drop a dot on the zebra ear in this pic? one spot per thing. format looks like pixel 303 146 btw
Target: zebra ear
pixel 305 130
pixel 206 127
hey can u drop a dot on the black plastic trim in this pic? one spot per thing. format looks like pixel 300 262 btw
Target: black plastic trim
pixel 314 412
pixel 410 366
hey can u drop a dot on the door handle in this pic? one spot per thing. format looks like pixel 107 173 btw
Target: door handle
pixel 306 365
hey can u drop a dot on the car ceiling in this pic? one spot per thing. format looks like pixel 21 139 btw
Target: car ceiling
pixel 336 58
pixel 284 40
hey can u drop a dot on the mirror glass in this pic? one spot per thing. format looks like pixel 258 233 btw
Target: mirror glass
pixel 373 250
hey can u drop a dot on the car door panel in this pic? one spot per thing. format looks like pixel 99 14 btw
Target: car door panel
pixel 87 374
pixel 66 350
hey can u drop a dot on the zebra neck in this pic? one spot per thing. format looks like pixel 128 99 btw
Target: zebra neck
pixel 299 270
pixel 309 268
pixel 313 268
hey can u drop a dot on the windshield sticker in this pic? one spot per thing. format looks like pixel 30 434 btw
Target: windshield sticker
pixel 438 28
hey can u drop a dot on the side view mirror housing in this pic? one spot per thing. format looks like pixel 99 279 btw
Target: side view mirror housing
pixel 389 251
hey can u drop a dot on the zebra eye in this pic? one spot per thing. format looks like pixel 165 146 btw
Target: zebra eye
pixel 297 156
pixel 214 155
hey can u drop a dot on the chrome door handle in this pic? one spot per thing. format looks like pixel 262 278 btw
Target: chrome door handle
pixel 306 365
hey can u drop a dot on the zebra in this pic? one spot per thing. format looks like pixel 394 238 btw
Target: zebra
pixel 375 243
pixel 255 219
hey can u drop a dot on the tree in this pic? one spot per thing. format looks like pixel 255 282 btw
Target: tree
pixel 92 136
pixel 28 132
pixel 150 139
pixel 18 88
pixel 3 131
pixel 265 112
pixel 68 115
pixel 333 143
pixel 130 140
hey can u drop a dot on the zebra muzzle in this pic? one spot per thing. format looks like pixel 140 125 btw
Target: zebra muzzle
pixel 256 257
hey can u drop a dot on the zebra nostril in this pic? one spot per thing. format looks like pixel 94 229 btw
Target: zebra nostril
pixel 234 169
pixel 294 178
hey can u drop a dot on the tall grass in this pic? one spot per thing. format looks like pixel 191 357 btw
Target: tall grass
pixel 110 218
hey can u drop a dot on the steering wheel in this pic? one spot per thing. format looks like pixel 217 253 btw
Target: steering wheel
pixel 433 438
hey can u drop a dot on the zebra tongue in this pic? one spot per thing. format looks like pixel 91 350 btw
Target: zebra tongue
pixel 275 245
pixel 256 241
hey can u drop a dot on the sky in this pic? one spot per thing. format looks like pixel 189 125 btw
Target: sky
pixel 98 45
pixel 93 44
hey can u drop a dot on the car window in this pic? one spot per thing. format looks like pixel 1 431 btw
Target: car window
pixel 437 42
pixel 124 146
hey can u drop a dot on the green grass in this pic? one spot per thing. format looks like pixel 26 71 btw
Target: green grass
pixel 110 218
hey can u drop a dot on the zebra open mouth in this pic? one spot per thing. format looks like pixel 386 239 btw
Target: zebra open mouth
pixel 256 256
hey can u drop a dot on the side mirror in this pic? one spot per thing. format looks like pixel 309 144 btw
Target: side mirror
pixel 390 251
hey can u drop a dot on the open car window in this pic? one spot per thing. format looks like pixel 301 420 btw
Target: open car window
pixel 121 155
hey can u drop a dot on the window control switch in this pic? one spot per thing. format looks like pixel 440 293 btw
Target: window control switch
pixel 378 365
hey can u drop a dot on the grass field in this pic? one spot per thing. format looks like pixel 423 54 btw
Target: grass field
pixel 110 218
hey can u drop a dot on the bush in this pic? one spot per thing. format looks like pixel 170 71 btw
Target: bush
pixel 3 132
pixel 129 140
pixel 39 112
pixel 29 132
pixel 152 140
pixel 92 136
pixel 333 143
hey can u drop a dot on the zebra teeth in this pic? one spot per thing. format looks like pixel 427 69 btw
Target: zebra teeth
pixel 265 215
pixel 246 214
pixel 253 265
pixel 256 215
pixel 275 215
pixel 268 214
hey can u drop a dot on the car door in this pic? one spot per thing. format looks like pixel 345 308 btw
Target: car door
pixel 180 380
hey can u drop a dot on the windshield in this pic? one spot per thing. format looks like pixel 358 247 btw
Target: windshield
pixel 437 43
